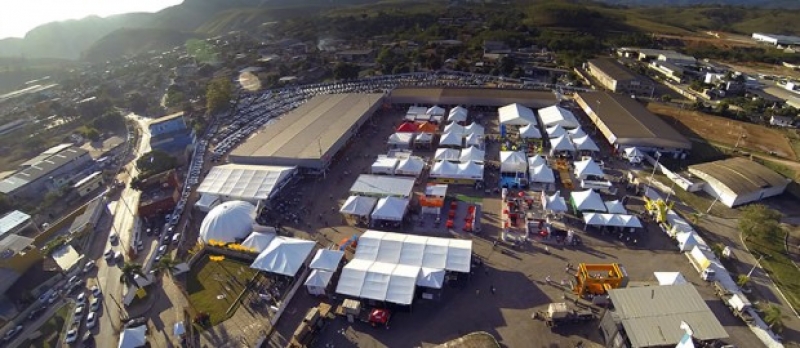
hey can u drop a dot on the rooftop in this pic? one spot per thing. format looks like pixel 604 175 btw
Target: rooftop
pixel 87 216
pixel 40 169
pixel 741 175
pixel 13 244
pixel 652 315
pixel 244 181
pixel 12 221
pixel 613 69
pixel 473 96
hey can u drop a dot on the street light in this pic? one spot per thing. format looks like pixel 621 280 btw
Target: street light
pixel 655 166
pixel 712 205
pixel 758 262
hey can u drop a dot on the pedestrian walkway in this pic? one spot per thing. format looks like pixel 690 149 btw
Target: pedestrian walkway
pixel 243 329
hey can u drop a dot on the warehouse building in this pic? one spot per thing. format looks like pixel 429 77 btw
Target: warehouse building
pixel 170 133
pixel 615 77
pixel 50 170
pixel 310 136
pixel 625 124
pixel 495 97
pixel 658 316
pixel 738 181
pixel 777 40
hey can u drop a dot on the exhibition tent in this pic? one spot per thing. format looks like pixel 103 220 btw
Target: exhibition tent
pixel 318 281
pixel 443 154
pixel 588 200
pixel 410 166
pixel 133 337
pixel 536 160
pixel 670 278
pixel 470 170
pixel 530 131
pixel 284 255
pixel 431 277
pixel 451 139
pixel 576 133
pixel 401 139
pixel 554 203
pixel 634 155
pixel 384 165
pixel 432 252
pixel 585 143
pixel 556 131
pixel 561 143
pixel 407 127
pixel 587 168
pixel 472 154
pixel 686 240
pixel 474 128
pixel 473 140
pixel 556 115
pixel 542 173
pixel 457 114
pixel 454 128
pixel 427 127
pixel 390 208
pixel 615 207
pixel 258 241
pixel 444 169
pixel 327 260
pixel 423 138
pixel 615 220
pixel 435 111
pixel 206 202
pixel 513 162
pixel 677 224
pixel 358 205
pixel 516 115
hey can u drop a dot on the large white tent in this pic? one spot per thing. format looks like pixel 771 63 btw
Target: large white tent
pixel 556 131
pixel 455 128
pixel 431 278
pixel 472 140
pixel 457 114
pixel 516 115
pixel 585 143
pixel 207 202
pixel 470 170
pixel 412 165
pixel 451 139
pixel 556 115
pixel 258 241
pixel 423 138
pixel 615 207
pixel 390 208
pixel 576 133
pixel 634 155
pixel 327 259
pixel 435 111
pixel 444 154
pixel 358 205
pixel 615 220
pixel 472 154
pixel 677 224
pixel 243 182
pixel 381 186
pixel 530 131
pixel 133 337
pixel 474 128
pixel 318 281
pixel 384 165
pixel 444 169
pixel 228 222
pixel 587 168
pixel 513 162
pixel 588 200
pixel 561 144
pixel 670 278
pixel 284 255
pixel 554 203
pixel 402 140
pixel 542 174
pixel 686 240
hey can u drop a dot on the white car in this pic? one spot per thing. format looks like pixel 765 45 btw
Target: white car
pixel 88 267
pixel 91 320
pixel 72 335
pixel 78 314
pixel 94 305
pixel 81 299
pixel 95 291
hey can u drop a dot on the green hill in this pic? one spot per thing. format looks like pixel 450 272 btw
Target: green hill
pixel 129 41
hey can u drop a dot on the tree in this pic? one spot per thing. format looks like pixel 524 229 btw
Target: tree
pixel 742 280
pixel 666 98
pixel 345 71
pixel 218 94
pixel 773 317
pixel 758 219
pixel 507 65
pixel 129 272
pixel 155 162
pixel 174 98
pixel 167 265
pixel 137 103
pixel 91 134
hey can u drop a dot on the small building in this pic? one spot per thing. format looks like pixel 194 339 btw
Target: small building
pixel 14 222
pixel 48 171
pixel 617 78
pixel 89 218
pixel 170 133
pixel 738 181
pixel 677 58
pixel 780 121
pixel 668 70
pixel 160 194
pixel 88 184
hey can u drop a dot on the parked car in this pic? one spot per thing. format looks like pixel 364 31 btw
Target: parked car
pixel 72 335
pixel 95 291
pixel 109 254
pixel 113 238
pixel 11 333
pixel 81 299
pixel 91 320
pixel 88 266
pixel 94 304
pixel 78 315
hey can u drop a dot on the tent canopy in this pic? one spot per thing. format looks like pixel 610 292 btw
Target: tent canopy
pixel 457 114
pixel 443 154
pixel 556 131
pixel 536 160
pixel 670 278
pixel 474 128
pixel 633 152
pixel 358 205
pixel 585 143
pixel 319 278
pixel 576 133
pixel 407 127
pixel 554 203
pixel 516 114
pixel 615 220
pixel 424 138
pixel 327 260
pixel 556 115
pixel 435 111
pixel 284 255
pixel 542 173
pixel 615 207
pixel 390 208
pixel 587 168
pixel 588 200
pixel 561 143
pixel 686 240
pixel 444 169
pixel 427 127
pixel 410 166
pixel 451 139
pixel 133 337
pixel 384 165
pixel 513 162
pixel 472 154
pixel 473 140
pixel 530 131
pixel 401 138
pixel 431 278
pixel 454 128
pixel 258 241
pixel 470 170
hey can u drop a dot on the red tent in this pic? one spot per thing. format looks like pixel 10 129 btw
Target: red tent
pixel 407 127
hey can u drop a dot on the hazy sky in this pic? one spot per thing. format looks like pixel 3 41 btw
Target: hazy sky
pixel 19 16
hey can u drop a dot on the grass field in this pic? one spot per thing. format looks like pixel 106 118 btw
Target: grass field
pixel 700 202
pixel 50 330
pixel 725 131
pixel 214 286
pixel 778 265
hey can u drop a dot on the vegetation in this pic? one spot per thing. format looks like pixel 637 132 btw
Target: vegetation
pixel 167 265
pixel 773 317
pixel 50 330
pixel 213 286
pixel 218 94
pixel 759 220
pixel 345 71
pixel 155 162
pixel 129 272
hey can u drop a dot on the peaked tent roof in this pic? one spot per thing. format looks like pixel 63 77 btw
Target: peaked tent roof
pixel 530 131
pixel 400 138
pixel 588 200
pixel 424 138
pixel 431 278
pixel 615 207
pixel 427 127
pixel 458 114
pixel 474 128
pixel 513 161
pixel 454 128
pixel 536 160
pixel 556 115
pixel 435 111
pixel 410 166
pixel 472 154
pixel 258 241
pixel 326 259
pixel 554 202
pixel 585 143
pixel 556 131
pixel 470 170
pixel 319 278
pixel 284 256
pixel 561 143
pixel 542 173
pixel 390 208
pixel 633 152
pixel 407 127
pixel 473 140
pixel 450 139
pixel 444 169
pixel 358 205
pixel 516 114
pixel 443 154
pixel 588 167
pixel 670 278
pixel 576 133
pixel 133 337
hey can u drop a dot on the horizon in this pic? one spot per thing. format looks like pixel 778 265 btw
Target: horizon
pixel 18 17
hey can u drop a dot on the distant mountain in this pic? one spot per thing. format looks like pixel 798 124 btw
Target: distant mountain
pixel 129 41
pixel 788 4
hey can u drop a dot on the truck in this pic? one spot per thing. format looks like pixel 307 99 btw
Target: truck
pixel 558 314
pixel 700 258
pixel 738 303
pixel 313 322
pixel 352 310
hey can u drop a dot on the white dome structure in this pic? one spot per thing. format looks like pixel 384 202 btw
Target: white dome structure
pixel 228 222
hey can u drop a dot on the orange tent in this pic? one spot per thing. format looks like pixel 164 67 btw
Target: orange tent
pixel 427 127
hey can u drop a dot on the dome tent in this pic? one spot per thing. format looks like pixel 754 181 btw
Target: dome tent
pixel 228 222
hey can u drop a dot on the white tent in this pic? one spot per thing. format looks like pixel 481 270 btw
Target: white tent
pixel 451 139
pixel 576 133
pixel 473 140
pixel 536 161
pixel 670 278
pixel 206 202
pixel 474 128
pixel 686 240
pixel 677 224
pixel 556 115
pixel 554 203
pixel 443 154
pixel 258 241
pixel 401 139
pixel 457 114
pixel 133 337
pixel 454 128
pixel 615 220
pixel 284 255
pixel 358 205
pixel 516 114
pixel 470 170
pixel 327 260
pixel 444 169
pixel 423 138
pixel 615 207
pixel 390 208
pixel 587 168
pixel 556 131
pixel 431 278
pixel 472 154
pixel 423 117
pixel 542 174
pixel 410 166
pixel 435 111
pixel 530 131
pixel 587 201
pixel 318 281
pixel 585 143
pixel 561 143
pixel 513 162
pixel 384 165
pixel 634 155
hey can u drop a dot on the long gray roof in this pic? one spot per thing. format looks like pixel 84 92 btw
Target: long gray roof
pixel 40 169
pixel 614 69
pixel 12 220
pixel 652 315
pixel 741 175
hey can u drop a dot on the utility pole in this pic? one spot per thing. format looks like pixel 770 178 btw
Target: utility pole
pixel 758 262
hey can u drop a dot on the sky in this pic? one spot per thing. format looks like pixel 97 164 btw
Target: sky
pixel 19 16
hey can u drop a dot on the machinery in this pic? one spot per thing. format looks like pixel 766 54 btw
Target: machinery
pixel 559 314
pixel 597 279
pixel 353 310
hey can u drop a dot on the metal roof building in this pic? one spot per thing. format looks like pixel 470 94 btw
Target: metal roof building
pixel 248 183
pixel 617 78
pixel 626 123
pixel 737 180
pixel 651 316
pixel 382 186
pixel 48 164
pixel 311 135
pixel 14 222
pixel 472 97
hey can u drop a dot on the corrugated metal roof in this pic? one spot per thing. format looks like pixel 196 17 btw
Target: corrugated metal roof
pixel 652 315
pixel 40 169
pixel 12 220
pixel 613 69
pixel 741 175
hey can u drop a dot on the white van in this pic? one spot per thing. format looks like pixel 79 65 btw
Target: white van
pixel 176 238
pixel 118 256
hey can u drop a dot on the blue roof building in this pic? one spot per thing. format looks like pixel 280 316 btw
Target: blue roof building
pixel 170 133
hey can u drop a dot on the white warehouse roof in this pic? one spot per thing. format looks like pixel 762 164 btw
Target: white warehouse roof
pixel 382 186
pixel 556 115
pixel 245 182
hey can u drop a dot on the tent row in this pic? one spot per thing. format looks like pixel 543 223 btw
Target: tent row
pixel 565 143
pixel 411 166
pixel 413 127
pixel 464 170
pixel 324 264
pixel 387 208
pixel 381 281
pixel 588 168
pixel 613 220
pixel 459 140
pixel 421 113
pixel 554 203
pixel 469 154
pixel 516 115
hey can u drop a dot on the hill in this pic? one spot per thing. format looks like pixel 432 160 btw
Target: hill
pixel 128 41
pixel 789 4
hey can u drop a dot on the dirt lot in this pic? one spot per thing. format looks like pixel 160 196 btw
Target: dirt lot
pixel 724 131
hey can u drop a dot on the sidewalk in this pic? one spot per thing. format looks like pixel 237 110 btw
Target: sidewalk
pixel 243 329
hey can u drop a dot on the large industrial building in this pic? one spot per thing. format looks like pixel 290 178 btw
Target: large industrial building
pixel 625 123
pixel 777 40
pixel 445 96
pixel 617 78
pixel 658 316
pixel 242 182
pixel 170 133
pixel 311 135
pixel 50 170
pixel 738 181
